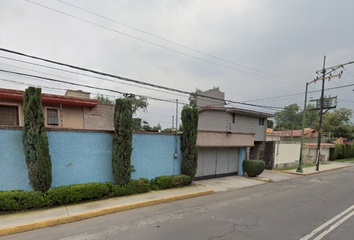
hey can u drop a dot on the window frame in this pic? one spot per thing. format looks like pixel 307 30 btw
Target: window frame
pixel 46 117
pixel 19 114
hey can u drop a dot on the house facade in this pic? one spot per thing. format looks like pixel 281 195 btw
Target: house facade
pixel 225 134
pixel 74 110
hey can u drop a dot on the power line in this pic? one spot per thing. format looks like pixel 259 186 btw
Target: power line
pixel 82 74
pixel 169 41
pixel 83 85
pixel 296 94
pixel 158 45
pixel 130 80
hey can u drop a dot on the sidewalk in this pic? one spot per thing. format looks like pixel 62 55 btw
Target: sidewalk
pixel 31 220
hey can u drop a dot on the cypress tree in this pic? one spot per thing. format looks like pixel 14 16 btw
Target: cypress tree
pixel 35 141
pixel 188 142
pixel 122 142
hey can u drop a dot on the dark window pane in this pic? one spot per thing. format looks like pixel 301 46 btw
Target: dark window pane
pixel 52 116
pixel 9 115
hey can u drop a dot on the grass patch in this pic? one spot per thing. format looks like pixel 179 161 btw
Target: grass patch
pixel 303 166
pixel 344 160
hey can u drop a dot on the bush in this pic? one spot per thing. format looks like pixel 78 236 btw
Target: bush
pixel 24 200
pixel 253 167
pixel 342 151
pixel 19 200
pixel 164 182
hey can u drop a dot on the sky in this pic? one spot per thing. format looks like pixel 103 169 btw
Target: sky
pixel 259 52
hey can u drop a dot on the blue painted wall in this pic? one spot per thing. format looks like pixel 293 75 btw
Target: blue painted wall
pixel 241 158
pixel 81 157
pixel 13 171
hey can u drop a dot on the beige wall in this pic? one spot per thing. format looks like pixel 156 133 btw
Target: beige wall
pixel 99 117
pixel 286 154
pixel 72 117
pixel 309 154
pixel 223 139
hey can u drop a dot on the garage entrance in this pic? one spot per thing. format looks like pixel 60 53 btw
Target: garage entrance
pixel 217 161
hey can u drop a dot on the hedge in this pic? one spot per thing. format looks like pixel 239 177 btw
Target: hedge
pixel 253 167
pixel 24 200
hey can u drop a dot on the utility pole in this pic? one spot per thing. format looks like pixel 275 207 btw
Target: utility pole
pixel 321 114
pixel 324 70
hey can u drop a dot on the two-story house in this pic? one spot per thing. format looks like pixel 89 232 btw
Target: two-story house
pixel 224 134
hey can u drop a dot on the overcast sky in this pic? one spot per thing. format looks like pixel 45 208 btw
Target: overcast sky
pixel 260 52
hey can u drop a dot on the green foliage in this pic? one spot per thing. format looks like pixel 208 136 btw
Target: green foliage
pixel 122 142
pixel 35 141
pixel 102 99
pixel 253 167
pixel 139 104
pixel 25 200
pixel 337 123
pixel 76 193
pixel 136 124
pixel 343 151
pixel 289 118
pixel 164 182
pixel 19 200
pixel 270 123
pixel 156 128
pixel 188 142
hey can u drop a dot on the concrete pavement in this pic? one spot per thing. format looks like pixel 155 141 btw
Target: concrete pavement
pixel 30 220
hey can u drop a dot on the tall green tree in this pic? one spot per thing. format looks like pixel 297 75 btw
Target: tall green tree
pixel 289 118
pixel 337 123
pixel 122 142
pixel 35 141
pixel 188 142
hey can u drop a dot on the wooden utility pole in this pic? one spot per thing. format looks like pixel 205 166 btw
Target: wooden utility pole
pixel 321 114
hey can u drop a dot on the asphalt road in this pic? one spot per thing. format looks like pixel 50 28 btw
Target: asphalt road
pixel 307 207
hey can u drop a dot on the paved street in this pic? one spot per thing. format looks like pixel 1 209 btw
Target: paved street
pixel 288 209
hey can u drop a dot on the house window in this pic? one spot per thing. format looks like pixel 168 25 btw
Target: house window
pixel 9 115
pixel 261 121
pixel 52 117
pixel 233 117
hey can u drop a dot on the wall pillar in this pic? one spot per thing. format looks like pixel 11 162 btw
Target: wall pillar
pixel 241 158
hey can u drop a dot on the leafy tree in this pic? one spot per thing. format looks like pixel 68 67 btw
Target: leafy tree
pixel 122 142
pixel 312 117
pixel 102 99
pixel 136 124
pixel 156 128
pixel 337 123
pixel 146 126
pixel 188 142
pixel 138 103
pixel 270 123
pixel 35 141
pixel 289 118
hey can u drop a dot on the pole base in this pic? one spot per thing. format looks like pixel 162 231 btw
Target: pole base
pixel 299 169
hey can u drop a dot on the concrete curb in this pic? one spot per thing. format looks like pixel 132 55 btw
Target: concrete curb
pixel 312 173
pixel 57 221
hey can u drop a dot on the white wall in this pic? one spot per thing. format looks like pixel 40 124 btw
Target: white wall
pixel 286 154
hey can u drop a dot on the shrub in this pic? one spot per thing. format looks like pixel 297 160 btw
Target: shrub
pixel 122 142
pixel 342 151
pixel 23 200
pixel 253 167
pixel 35 141
pixel 188 142
pixel 19 200
pixel 164 182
